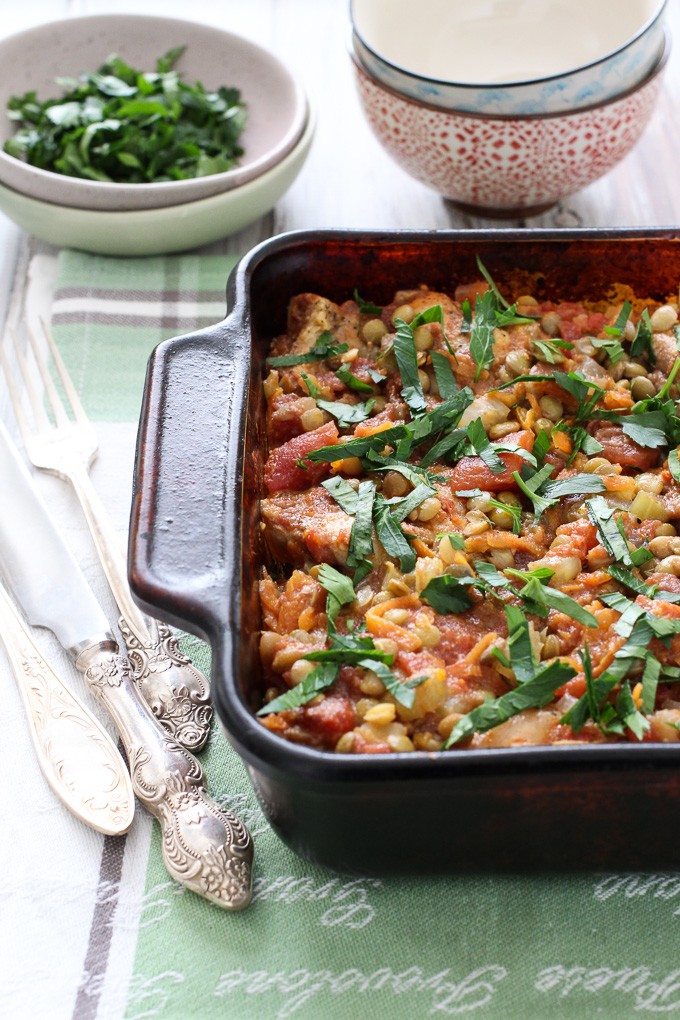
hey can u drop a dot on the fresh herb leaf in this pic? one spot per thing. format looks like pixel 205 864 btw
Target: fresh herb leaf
pixel 344 374
pixel 343 493
pixel 629 580
pixel 366 307
pixel 444 416
pixel 448 594
pixel 482 335
pixel 578 485
pixel 610 345
pixel 347 414
pixel 339 588
pixel 316 682
pixel 393 540
pixel 609 534
pixel 674 464
pixel 541 447
pixel 646 428
pixel 361 535
pixel 642 342
pixel 535 693
pixel 401 690
pixel 455 538
pixel 466 324
pixel 531 485
pixel 536 594
pixel 324 347
pixel 404 349
pixel 402 506
pixel 580 440
pixel 548 349
pixel 650 682
pixel 446 380
pixel 492 286
pixel 128 126
pixel 522 658
pixel 481 444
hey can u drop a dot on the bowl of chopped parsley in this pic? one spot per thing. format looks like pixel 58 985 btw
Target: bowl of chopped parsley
pixel 131 112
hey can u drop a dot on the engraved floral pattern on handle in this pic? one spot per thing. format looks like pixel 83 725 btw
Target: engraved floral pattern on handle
pixel 175 691
pixel 75 753
pixel 206 848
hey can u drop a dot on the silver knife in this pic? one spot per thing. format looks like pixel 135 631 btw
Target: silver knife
pixel 205 847
pixel 76 755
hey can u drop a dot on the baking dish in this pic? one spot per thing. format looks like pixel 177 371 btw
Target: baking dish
pixel 194 554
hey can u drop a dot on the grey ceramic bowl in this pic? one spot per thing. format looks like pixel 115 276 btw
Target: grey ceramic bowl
pixel 31 60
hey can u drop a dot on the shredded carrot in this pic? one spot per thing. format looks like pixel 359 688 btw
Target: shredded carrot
pixel 535 406
pixel 561 442
pixel 368 428
pixel 379 627
pixel 618 483
pixel 617 398
pixel 594 580
pixel 421 549
pixel 476 652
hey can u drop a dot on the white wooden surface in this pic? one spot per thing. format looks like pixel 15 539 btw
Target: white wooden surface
pixel 348 180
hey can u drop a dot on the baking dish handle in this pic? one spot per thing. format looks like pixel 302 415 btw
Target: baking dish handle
pixel 184 547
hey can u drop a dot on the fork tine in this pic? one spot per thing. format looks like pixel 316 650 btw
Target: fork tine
pixel 39 414
pixel 22 421
pixel 54 398
pixel 66 381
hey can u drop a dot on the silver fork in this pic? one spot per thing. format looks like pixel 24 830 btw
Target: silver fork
pixel 66 445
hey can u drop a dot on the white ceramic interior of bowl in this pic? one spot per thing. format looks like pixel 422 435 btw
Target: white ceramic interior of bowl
pixel 597 83
pixel 490 42
pixel 158 231
pixel 31 60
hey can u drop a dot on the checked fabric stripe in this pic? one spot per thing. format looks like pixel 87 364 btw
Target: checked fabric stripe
pixel 114 937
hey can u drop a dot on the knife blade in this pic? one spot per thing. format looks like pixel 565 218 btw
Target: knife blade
pixel 77 757
pixel 205 847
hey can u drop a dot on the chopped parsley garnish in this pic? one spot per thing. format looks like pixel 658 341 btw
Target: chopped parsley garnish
pixel 443 373
pixel 361 535
pixel 316 682
pixel 345 375
pixel 642 342
pixel 347 414
pixel 339 588
pixel 549 349
pixel 444 416
pixel 393 540
pixel 674 464
pixel 481 336
pixel 609 530
pixel 534 693
pixel 366 307
pixel 404 350
pixel 324 347
pixel 129 126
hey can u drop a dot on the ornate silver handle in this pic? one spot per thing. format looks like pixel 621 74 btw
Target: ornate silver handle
pixel 76 755
pixel 206 848
pixel 176 692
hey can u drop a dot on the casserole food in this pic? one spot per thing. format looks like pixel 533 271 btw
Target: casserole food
pixel 195 558
pixel 467 511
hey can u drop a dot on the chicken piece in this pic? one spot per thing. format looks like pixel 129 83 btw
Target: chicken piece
pixel 300 525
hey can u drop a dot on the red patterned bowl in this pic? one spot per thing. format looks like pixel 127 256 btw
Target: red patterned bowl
pixel 508 166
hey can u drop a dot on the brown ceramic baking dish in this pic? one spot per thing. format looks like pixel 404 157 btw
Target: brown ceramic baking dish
pixel 195 551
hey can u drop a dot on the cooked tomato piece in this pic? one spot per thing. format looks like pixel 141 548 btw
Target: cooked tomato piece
pixel 472 472
pixel 620 449
pixel 330 718
pixel 282 470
